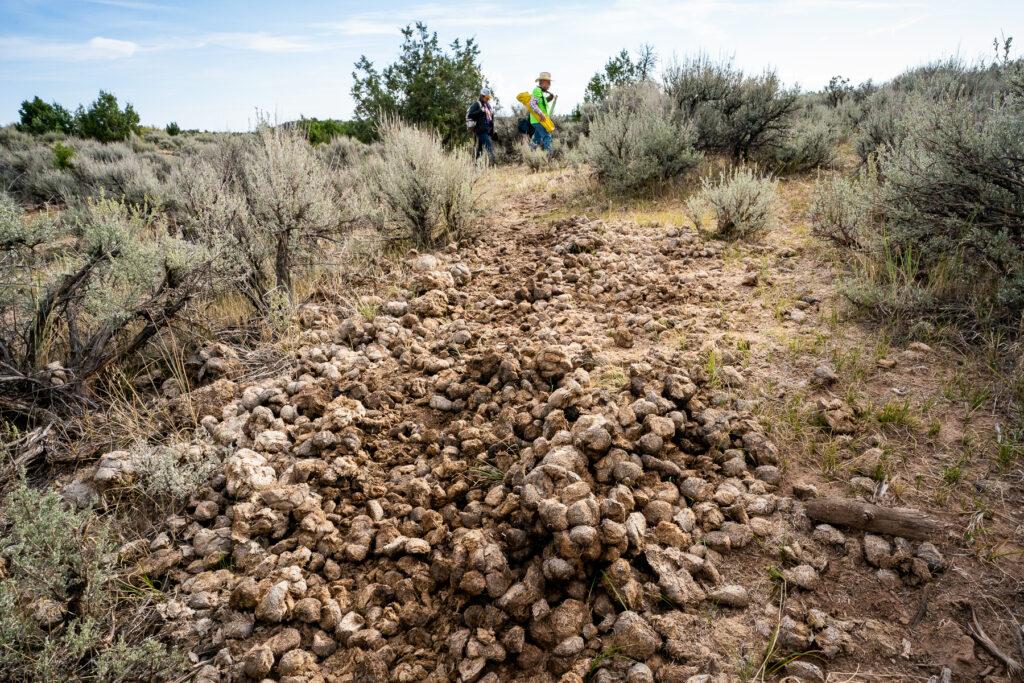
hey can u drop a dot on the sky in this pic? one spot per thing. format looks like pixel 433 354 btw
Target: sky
pixel 212 65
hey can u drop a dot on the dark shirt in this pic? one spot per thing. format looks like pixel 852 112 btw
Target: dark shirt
pixel 484 124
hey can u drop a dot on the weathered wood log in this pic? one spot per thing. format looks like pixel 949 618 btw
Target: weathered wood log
pixel 905 522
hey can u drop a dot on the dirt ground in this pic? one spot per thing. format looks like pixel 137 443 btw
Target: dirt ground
pixel 579 448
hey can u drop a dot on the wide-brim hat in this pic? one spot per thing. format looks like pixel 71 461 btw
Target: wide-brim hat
pixel 544 76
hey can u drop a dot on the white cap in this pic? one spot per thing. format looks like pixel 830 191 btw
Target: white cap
pixel 485 92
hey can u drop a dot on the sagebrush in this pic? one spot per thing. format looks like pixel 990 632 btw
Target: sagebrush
pixel 740 202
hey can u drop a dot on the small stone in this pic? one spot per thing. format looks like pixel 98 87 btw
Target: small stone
pixel 877 551
pixel 803 576
pixel 730 596
pixel 889 578
pixel 570 647
pixel 825 376
pixel 805 671
pixel 639 673
pixel 634 636
pixel 932 557
pixel 826 533
pixel 258 662
pixel 274 605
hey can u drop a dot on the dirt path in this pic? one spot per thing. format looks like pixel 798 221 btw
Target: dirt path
pixel 574 450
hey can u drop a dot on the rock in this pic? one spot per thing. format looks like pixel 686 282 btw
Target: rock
pixel 639 673
pixel 802 576
pixel 805 671
pixel 931 556
pixel 828 534
pixel 877 551
pixel 825 376
pixel 79 493
pixel 274 606
pixel 570 647
pixel 634 637
pixel 258 662
pixel 889 578
pixel 246 472
pixel 47 613
pixel 670 564
pixel 116 468
pixel 730 376
pixel 730 596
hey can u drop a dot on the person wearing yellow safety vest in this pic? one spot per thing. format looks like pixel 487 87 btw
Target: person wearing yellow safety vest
pixel 542 105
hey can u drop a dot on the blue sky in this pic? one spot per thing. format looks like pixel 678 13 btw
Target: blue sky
pixel 211 65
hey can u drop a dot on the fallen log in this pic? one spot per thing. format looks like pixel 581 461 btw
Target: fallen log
pixel 905 522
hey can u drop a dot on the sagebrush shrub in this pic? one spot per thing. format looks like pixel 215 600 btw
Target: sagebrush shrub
pixel 172 474
pixel 810 143
pixel 887 118
pixel 637 139
pixel 534 158
pixel 90 289
pixel 734 113
pixel 952 192
pixel 425 195
pixel 59 598
pixel 268 203
pixel 740 202
pixel 843 209
pixel 128 176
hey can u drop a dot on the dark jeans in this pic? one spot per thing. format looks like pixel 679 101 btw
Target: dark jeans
pixel 541 137
pixel 483 141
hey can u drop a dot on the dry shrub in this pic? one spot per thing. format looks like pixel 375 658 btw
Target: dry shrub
pixel 843 209
pixel 269 203
pixel 61 598
pixel 85 292
pixel 425 195
pixel 810 143
pixel 741 203
pixel 637 140
pixel 735 114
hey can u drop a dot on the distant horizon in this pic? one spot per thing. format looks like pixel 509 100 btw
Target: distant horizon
pixel 211 68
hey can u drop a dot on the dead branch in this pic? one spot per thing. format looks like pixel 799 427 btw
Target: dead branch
pixel 905 522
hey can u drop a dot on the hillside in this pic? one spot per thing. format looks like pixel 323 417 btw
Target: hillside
pixel 582 447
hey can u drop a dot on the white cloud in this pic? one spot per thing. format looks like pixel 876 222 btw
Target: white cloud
pixel 261 42
pixel 893 28
pixel 98 48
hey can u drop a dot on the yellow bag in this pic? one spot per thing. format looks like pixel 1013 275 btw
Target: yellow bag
pixel 524 98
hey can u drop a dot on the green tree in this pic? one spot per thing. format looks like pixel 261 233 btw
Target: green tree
pixel 427 85
pixel 322 131
pixel 38 117
pixel 622 70
pixel 173 128
pixel 105 121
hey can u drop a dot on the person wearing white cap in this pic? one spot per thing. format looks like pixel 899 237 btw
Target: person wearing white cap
pixel 480 120
pixel 540 110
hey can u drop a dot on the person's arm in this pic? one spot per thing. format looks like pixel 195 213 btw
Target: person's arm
pixel 536 109
pixel 474 114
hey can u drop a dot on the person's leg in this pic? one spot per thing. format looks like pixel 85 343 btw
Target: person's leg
pixel 545 140
pixel 538 136
pixel 486 140
pixel 479 147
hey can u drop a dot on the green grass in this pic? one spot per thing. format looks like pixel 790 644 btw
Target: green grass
pixel 712 366
pixel 896 414
pixel 1009 450
pixel 953 473
pixel 484 474
pixel 368 310
pixel 612 378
